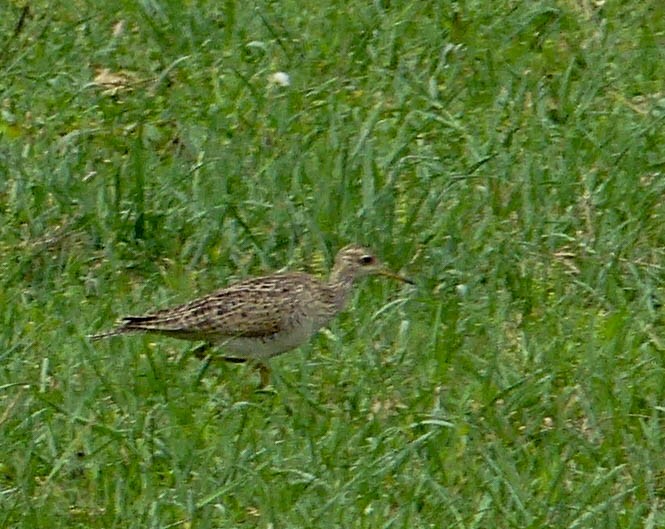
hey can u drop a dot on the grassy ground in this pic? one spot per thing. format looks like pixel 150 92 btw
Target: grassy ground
pixel 507 155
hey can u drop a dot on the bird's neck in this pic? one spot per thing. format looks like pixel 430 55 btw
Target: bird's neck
pixel 340 286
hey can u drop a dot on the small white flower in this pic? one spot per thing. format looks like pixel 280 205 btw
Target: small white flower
pixel 462 290
pixel 280 79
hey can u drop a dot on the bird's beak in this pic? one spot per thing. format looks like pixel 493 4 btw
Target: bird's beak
pixel 393 275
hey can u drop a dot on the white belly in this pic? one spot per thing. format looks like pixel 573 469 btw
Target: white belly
pixel 263 348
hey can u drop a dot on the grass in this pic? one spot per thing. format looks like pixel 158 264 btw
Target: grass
pixel 507 155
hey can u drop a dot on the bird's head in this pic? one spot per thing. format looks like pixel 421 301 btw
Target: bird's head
pixel 354 261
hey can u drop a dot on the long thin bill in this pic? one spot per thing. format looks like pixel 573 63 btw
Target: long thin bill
pixel 393 275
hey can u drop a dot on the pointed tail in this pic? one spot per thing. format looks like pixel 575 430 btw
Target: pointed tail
pixel 108 334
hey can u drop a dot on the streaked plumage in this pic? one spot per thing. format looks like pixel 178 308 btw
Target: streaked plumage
pixel 264 316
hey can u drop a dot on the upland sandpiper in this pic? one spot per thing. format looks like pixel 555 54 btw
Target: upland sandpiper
pixel 258 318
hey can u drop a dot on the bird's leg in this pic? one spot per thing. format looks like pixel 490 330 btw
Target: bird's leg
pixel 263 368
pixel 201 351
pixel 264 373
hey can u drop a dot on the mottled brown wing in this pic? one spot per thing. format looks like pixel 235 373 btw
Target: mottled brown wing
pixel 253 308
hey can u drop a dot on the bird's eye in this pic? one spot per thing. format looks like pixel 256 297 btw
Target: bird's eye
pixel 367 260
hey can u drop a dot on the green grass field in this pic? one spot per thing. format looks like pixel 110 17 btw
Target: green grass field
pixel 508 156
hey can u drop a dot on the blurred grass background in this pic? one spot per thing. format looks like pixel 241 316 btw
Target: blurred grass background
pixel 506 155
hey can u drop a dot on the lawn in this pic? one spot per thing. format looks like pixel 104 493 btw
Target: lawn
pixel 507 156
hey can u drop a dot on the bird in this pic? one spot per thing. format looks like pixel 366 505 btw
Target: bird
pixel 258 318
